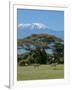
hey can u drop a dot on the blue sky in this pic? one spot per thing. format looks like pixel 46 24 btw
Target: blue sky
pixel 52 19
pixel 39 21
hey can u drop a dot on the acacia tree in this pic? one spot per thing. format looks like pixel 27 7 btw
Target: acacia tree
pixel 36 45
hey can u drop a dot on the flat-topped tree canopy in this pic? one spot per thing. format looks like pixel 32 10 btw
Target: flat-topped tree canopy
pixel 38 41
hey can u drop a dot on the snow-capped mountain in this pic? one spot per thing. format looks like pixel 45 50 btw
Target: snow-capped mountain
pixel 27 29
pixel 31 26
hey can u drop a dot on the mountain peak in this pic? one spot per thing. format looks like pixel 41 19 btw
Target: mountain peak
pixel 33 26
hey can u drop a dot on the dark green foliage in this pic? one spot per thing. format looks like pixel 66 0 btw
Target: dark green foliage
pixel 59 52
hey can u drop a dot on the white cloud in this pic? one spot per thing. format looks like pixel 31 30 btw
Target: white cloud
pixel 37 26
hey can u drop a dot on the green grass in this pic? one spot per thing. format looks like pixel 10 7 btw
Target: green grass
pixel 44 72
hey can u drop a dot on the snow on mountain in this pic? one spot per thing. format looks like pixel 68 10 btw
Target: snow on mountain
pixel 27 29
pixel 37 26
